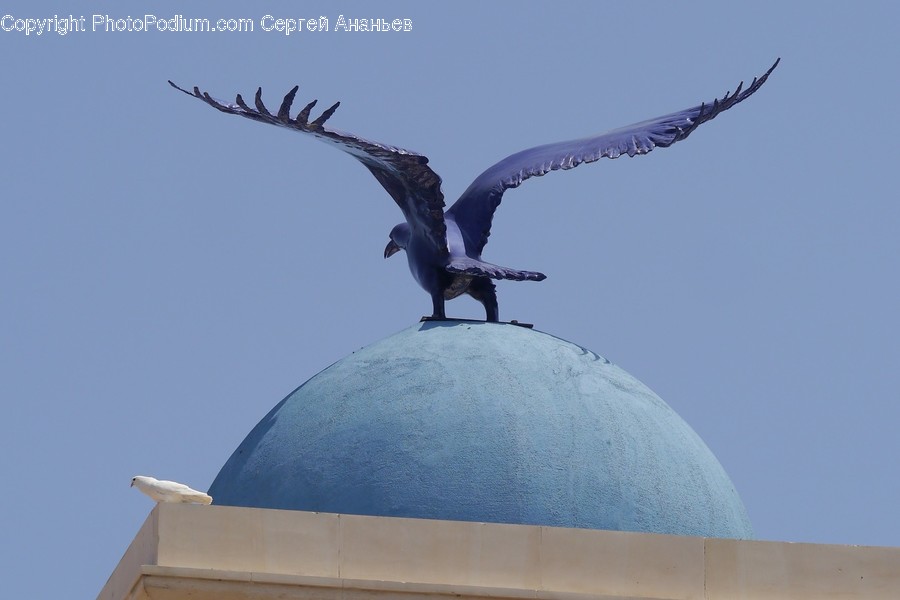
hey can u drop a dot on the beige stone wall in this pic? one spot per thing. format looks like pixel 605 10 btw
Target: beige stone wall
pixel 197 552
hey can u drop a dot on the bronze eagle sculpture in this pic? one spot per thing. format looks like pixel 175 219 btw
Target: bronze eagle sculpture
pixel 444 248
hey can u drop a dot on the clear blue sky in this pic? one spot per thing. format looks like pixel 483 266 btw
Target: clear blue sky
pixel 169 273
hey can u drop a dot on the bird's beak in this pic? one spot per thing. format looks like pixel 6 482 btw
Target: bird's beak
pixel 391 249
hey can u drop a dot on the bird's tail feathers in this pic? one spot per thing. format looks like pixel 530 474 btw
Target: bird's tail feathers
pixel 478 268
pixel 199 498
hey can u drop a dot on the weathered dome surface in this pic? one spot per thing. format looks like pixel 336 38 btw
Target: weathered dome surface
pixel 486 422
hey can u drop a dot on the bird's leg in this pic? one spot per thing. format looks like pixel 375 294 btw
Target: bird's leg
pixel 437 301
pixel 484 290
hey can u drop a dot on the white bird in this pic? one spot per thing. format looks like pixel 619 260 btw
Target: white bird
pixel 169 491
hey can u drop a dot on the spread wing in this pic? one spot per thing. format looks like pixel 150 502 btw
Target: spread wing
pixel 474 210
pixel 405 175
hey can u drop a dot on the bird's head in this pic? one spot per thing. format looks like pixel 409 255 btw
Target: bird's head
pixel 139 479
pixel 399 239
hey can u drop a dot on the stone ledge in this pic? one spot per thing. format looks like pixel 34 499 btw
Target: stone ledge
pixel 262 585
pixel 227 552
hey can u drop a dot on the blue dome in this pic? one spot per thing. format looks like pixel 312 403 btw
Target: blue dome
pixel 485 422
